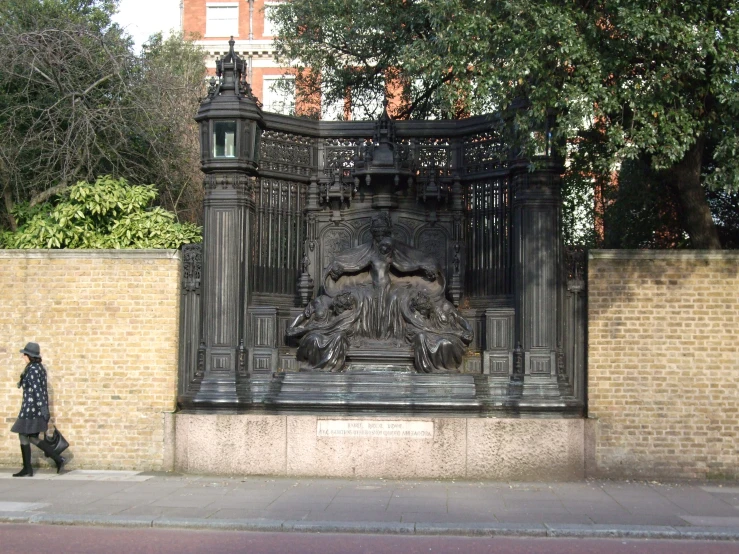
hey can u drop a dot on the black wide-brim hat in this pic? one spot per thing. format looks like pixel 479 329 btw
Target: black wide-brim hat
pixel 32 350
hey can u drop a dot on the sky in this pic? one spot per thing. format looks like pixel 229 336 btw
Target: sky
pixel 142 18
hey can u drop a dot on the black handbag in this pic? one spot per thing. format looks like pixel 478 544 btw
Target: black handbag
pixel 56 441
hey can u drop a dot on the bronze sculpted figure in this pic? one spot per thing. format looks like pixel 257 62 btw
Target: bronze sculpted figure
pixel 325 326
pixel 382 294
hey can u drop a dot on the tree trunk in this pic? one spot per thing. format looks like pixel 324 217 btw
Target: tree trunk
pixel 9 204
pixel 48 193
pixel 685 176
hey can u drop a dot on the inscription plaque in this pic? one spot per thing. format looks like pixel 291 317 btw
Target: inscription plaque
pixel 389 429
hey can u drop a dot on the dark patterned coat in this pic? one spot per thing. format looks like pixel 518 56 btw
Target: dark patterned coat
pixel 34 415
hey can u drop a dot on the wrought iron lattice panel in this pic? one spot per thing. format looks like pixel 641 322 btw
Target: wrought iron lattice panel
pixel 286 153
pixel 278 234
pixel 434 156
pixel 488 236
pixel 340 155
pixel 483 152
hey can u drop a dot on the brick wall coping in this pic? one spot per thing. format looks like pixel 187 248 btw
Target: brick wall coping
pixel 90 254
pixel 687 255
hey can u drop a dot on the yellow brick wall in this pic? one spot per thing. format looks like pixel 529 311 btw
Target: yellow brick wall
pixel 663 363
pixel 107 323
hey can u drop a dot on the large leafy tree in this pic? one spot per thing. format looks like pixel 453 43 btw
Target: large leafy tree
pixel 652 80
pixel 77 102
pixel 168 94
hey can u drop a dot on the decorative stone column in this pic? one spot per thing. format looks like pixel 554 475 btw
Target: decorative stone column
pixel 231 124
pixel 225 278
pixel 536 271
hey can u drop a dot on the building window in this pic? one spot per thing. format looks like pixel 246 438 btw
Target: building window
pixel 333 111
pixel 221 19
pixel 270 24
pixel 278 94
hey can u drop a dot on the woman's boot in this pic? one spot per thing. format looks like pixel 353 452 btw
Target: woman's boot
pixel 49 453
pixel 27 468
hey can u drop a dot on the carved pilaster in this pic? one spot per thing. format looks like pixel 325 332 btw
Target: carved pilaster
pixel 228 198
pixel 305 282
pixel 536 271
pixel 455 283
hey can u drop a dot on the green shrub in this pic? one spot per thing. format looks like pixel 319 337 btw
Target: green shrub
pixel 108 213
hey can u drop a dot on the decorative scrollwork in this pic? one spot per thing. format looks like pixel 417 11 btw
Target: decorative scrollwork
pixel 286 153
pixel 483 152
pixel 334 241
pixel 412 224
pixel 518 361
pixel 192 265
pixel 340 155
pixel 243 183
pixel 359 222
pixel 434 158
pixel 200 369
pixel 433 242
pixel 241 359
pixel 561 368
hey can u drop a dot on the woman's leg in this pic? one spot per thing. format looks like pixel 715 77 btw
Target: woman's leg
pixel 26 453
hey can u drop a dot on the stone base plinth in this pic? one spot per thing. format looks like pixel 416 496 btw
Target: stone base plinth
pixel 380 447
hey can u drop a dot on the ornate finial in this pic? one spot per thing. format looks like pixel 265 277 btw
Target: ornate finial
pixel 231 70
pixel 385 126
pixel 212 86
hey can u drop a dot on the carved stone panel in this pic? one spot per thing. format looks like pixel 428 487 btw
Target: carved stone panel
pixel 333 242
pixel 221 362
pixel 498 364
pixel 499 329
pixel 540 364
pixel 263 323
pixel 432 241
pixel 287 362
pixel 263 360
pixel 472 365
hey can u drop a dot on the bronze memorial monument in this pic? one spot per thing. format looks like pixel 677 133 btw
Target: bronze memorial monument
pixel 376 267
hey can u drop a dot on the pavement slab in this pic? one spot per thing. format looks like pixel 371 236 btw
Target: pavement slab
pixel 712 521
pixel 594 508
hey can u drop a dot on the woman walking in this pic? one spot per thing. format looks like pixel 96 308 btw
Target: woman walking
pixel 34 415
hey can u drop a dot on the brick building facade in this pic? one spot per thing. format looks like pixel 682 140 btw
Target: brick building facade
pixel 249 23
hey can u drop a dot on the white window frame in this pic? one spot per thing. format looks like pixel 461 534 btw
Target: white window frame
pixel 268 28
pixel 216 32
pixel 269 96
